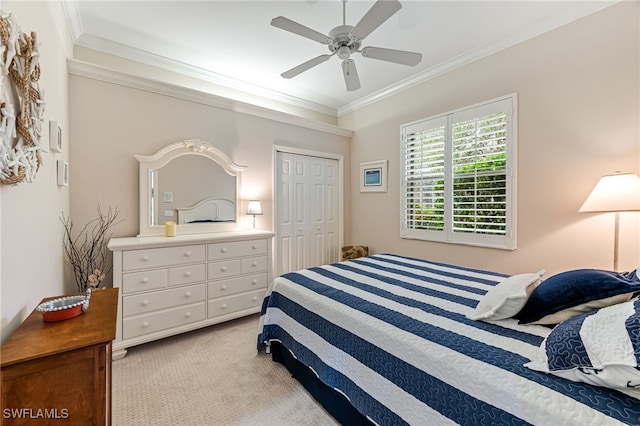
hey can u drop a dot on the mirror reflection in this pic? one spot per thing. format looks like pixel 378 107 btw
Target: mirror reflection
pixel 192 189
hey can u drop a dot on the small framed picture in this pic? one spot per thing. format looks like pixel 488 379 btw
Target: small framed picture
pixel 373 176
pixel 63 173
pixel 55 136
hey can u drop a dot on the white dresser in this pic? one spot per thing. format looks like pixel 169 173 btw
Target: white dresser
pixel 169 285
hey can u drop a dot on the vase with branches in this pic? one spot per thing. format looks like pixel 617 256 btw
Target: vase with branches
pixel 86 252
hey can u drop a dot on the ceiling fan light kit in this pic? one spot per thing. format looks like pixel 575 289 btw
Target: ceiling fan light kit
pixel 344 40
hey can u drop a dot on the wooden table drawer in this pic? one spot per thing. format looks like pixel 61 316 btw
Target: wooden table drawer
pixel 161 320
pixel 146 280
pixel 162 299
pixel 238 302
pixel 228 268
pixel 236 285
pixel 187 274
pixel 253 264
pixel 165 256
pixel 230 249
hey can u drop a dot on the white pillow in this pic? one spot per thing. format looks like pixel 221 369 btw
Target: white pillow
pixel 565 314
pixel 507 298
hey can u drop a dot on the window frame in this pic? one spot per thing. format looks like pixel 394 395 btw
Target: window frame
pixel 507 241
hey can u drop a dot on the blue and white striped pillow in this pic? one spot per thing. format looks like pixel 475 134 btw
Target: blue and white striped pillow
pixel 600 347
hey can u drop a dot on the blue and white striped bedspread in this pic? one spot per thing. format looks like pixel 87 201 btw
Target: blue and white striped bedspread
pixel 391 333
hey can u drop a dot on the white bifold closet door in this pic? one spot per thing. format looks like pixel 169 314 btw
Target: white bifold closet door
pixel 307 219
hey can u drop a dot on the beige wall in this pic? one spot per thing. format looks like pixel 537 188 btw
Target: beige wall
pixel 113 122
pixel 31 234
pixel 578 119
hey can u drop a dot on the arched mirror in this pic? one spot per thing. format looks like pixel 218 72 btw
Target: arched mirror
pixel 190 183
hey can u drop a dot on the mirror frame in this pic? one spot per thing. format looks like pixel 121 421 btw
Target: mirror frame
pixel 198 147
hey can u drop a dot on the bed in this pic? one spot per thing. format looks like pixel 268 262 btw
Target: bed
pixel 213 209
pixel 390 340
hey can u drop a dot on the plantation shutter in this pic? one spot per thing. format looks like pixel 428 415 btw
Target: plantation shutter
pixel 424 167
pixel 457 177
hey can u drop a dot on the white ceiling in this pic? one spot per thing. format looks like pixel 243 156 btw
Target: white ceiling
pixel 232 42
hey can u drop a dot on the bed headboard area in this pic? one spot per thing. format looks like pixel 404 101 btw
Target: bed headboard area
pixel 208 210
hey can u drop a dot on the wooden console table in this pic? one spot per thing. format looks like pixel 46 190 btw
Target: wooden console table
pixel 60 372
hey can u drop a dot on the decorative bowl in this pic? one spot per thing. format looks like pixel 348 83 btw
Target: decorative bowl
pixel 63 308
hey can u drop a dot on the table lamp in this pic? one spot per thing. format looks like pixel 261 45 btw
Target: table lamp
pixel 619 192
pixel 254 208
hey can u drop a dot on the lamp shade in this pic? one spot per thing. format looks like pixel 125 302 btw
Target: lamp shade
pixel 254 207
pixel 619 192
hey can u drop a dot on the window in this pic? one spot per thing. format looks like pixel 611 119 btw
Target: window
pixel 458 176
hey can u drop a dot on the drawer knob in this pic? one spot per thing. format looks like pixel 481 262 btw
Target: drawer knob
pixel 254 264
pixel 187 274
pixel 145 302
pixel 223 269
pixel 254 298
pixel 187 253
pixel 145 258
pixel 187 294
pixel 145 324
pixel 187 315
pixel 255 247
pixel 224 306
pixel 144 280
pixel 223 250
pixel 254 282
pixel 224 287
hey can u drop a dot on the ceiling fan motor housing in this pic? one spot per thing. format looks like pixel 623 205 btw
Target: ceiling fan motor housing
pixel 343 42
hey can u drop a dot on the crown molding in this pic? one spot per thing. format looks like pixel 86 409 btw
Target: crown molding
pixel 88 70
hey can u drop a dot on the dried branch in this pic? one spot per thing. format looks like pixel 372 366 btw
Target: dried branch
pixel 86 253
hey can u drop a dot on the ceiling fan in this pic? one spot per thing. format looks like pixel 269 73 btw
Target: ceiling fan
pixel 345 39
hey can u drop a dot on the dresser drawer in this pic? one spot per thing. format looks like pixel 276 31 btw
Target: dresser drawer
pixel 236 285
pixel 157 321
pixel 153 258
pixel 187 274
pixel 162 299
pixel 227 250
pixel 227 268
pixel 253 264
pixel 146 280
pixel 239 302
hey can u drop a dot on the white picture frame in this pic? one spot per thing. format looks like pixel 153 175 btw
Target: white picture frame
pixel 373 176
pixel 63 173
pixel 55 136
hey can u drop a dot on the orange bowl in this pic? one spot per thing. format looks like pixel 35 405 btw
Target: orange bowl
pixel 63 308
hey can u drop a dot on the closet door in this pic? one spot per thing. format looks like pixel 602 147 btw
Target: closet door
pixel 307 218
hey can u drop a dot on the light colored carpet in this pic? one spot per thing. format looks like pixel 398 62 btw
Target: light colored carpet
pixel 211 376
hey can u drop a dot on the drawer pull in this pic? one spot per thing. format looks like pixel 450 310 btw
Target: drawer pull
pixel 144 258
pixel 187 315
pixel 187 294
pixel 223 250
pixel 223 269
pixel 144 280
pixel 187 254
pixel 224 287
pixel 254 264
pixel 145 324
pixel 224 306
pixel 254 298
pixel 145 302
pixel 187 274
pixel 255 247
pixel 254 282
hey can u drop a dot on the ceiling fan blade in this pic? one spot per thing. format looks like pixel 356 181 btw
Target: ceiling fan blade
pixel 376 16
pixel 305 66
pixel 350 75
pixel 392 55
pixel 299 29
